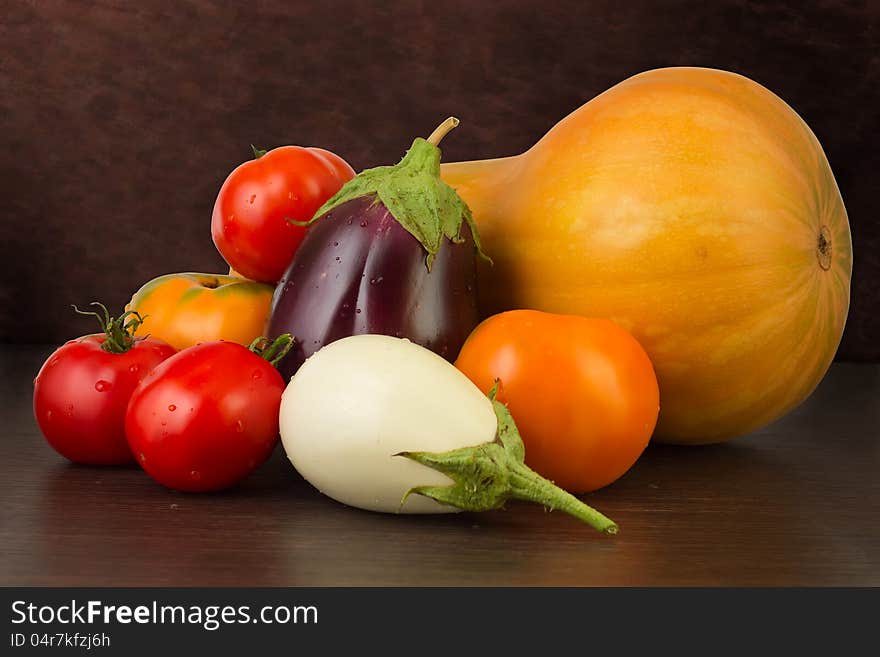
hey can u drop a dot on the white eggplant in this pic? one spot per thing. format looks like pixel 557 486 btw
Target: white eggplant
pixel 371 419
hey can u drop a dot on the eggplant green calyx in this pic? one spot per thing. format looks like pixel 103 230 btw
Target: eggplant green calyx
pixel 415 195
pixel 275 350
pixel 486 476
pixel 119 331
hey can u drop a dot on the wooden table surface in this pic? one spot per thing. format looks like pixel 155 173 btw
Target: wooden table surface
pixel 797 503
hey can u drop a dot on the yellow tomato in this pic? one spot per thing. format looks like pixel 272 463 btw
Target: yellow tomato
pixel 185 309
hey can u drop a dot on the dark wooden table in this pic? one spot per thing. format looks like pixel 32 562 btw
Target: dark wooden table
pixel 795 504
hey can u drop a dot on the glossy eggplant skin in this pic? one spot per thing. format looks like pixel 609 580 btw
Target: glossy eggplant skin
pixel 359 271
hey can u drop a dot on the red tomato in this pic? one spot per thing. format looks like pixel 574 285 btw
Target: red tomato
pixel 206 417
pixel 83 388
pixel 249 224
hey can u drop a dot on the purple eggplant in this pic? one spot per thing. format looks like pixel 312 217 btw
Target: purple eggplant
pixel 394 252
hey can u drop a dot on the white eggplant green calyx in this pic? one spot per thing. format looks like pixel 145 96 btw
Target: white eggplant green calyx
pixel 415 195
pixel 486 476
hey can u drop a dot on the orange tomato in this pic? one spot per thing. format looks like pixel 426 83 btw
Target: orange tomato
pixel 186 309
pixel 582 391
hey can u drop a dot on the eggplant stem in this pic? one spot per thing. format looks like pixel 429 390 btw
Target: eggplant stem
pixel 528 485
pixel 442 130
pixel 484 476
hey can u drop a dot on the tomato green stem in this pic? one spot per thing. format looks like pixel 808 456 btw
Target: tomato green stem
pixel 119 331
pixel 273 351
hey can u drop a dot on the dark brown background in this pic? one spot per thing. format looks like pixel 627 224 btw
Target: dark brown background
pixel 120 120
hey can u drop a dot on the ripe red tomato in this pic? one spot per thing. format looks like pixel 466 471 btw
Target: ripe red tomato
pixel 249 224
pixel 206 417
pixel 83 388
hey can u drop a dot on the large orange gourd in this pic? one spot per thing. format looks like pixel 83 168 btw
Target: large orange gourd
pixel 697 210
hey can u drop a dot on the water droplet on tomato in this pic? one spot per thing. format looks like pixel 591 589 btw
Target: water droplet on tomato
pixel 239 426
pixel 172 407
pixel 195 475
pixel 102 385
pixel 68 410
pixel 252 199
pixel 257 374
pixel 134 368
pixel 142 457
pixel 48 415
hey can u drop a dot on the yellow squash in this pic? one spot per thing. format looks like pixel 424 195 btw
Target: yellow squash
pixel 697 210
